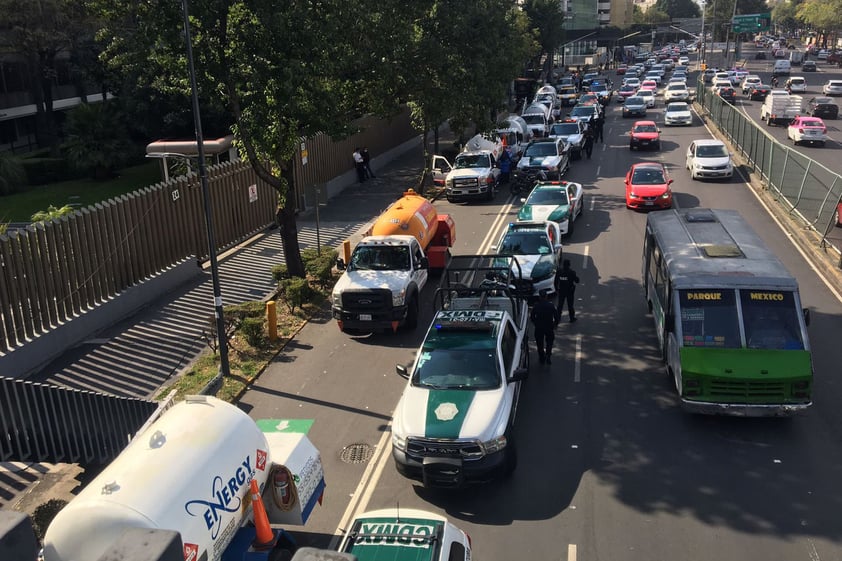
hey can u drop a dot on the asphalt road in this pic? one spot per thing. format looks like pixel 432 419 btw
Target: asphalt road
pixel 609 467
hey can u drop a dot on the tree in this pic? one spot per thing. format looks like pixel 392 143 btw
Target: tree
pixel 97 139
pixel 679 8
pixel 823 15
pixel 547 18
pixel 784 14
pixel 282 71
pixel 40 32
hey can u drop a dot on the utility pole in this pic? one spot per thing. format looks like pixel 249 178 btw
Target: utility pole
pixel 728 36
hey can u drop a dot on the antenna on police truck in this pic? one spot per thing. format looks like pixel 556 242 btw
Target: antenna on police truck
pixel 398 511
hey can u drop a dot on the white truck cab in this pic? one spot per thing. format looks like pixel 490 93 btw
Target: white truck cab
pixel 474 174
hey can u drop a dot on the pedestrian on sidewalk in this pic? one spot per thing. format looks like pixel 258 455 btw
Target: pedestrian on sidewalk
pixel 359 164
pixel 545 318
pixel 566 282
pixel 589 140
pixel 367 162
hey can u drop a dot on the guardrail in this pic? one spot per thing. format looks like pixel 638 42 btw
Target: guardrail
pixel 809 190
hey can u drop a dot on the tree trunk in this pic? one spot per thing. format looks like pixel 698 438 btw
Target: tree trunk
pixel 289 227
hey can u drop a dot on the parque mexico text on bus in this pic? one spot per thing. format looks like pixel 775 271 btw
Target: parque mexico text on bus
pixel 728 315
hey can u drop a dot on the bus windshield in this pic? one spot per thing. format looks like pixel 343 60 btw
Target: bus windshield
pixel 709 319
pixel 771 320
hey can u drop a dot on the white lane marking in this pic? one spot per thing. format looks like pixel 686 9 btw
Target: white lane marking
pixel 768 210
pixel 360 491
pixel 604 147
pixel 571 552
pixel 495 226
pixel 593 203
pixel 577 360
pixel 585 257
pixel 597 170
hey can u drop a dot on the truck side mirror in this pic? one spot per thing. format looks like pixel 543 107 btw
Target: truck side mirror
pixel 669 323
pixel 519 375
pixel 425 263
pixel 340 263
pixel 402 371
pixel 806 313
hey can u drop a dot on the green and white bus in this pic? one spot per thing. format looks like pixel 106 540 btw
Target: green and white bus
pixel 728 315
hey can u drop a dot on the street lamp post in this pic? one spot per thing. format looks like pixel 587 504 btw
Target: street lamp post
pixel 203 179
pixel 701 59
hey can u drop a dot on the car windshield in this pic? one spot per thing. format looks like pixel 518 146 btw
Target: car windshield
pixel 711 151
pixel 823 101
pixel 677 87
pixel 648 176
pixel 582 111
pixel 627 89
pixel 557 197
pixel 645 93
pixel 564 129
pixel 533 119
pixel 380 258
pixel 465 367
pixel 525 242
pixel 709 322
pixel 645 128
pixel 635 100
pixel 675 107
pixel 541 149
pixel 472 161
pixel 771 323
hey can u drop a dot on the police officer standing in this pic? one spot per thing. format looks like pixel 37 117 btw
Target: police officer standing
pixel 589 140
pixel 566 282
pixel 545 318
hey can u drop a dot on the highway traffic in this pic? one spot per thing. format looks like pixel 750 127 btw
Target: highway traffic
pixel 609 466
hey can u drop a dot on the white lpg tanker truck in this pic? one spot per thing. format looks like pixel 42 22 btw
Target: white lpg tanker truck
pixel 202 469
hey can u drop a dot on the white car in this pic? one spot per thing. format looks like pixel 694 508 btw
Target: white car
pixel 822 54
pixel 559 201
pixel 678 80
pixel 633 82
pixel 720 83
pixel 749 81
pixel 796 84
pixel 709 158
pixel 676 92
pixel 807 130
pixel 678 113
pixel 648 96
pixel 536 246
pixel 832 87
pixel 684 61
pixel 655 76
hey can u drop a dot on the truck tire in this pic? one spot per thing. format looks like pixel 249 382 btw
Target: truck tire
pixel 412 313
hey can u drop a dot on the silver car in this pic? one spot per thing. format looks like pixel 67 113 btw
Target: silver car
pixel 832 87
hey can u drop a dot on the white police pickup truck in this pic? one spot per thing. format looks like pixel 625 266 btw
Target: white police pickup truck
pixel 406 534
pixel 453 424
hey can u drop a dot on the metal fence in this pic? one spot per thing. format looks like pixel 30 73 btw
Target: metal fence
pixel 809 190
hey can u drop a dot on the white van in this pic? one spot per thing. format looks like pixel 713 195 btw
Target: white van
pixel 782 68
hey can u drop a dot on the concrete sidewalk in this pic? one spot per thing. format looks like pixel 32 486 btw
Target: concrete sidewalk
pixel 141 354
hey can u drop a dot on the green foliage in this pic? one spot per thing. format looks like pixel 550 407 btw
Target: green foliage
pixel 679 8
pixel 43 170
pixel 784 14
pixel 97 138
pixel 12 174
pixel 295 291
pixel 252 331
pixel 825 15
pixel 52 213
pixel 280 272
pixel 320 267
pixel 44 514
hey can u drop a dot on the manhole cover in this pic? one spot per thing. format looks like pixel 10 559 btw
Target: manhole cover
pixel 356 453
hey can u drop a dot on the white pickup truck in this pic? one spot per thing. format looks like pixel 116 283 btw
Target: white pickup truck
pixel 780 107
pixel 454 422
pixel 474 174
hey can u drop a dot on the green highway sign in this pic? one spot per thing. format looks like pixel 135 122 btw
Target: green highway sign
pixel 751 23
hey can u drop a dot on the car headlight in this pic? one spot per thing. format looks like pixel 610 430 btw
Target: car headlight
pixel 666 195
pixel 398 298
pixel 495 444
pixel 542 270
pixel 399 442
pixel 633 195
pixel 448 183
pixel 337 299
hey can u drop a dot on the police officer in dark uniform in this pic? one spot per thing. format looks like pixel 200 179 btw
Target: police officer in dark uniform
pixel 545 318
pixel 566 282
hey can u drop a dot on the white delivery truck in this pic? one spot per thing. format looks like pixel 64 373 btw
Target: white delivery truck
pixel 190 472
pixel 780 107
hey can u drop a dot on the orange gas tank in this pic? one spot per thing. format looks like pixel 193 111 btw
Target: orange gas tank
pixel 411 215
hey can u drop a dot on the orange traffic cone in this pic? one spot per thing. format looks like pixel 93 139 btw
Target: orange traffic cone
pixel 265 537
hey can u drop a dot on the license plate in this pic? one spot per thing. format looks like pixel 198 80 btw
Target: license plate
pixel 650 203
pixel 365 317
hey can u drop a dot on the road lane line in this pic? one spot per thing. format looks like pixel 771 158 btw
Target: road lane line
pixel 571 552
pixel 585 257
pixel 593 204
pixel 577 360
pixel 598 168
pixel 493 231
pixel 370 469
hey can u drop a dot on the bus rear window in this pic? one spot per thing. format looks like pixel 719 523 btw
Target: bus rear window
pixel 709 318
pixel 771 319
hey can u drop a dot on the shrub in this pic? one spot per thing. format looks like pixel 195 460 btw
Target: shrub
pixel 296 291
pixel 280 272
pixel 44 514
pixel 252 330
pixel 320 267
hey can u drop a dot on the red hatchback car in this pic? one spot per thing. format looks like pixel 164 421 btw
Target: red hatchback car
pixel 645 134
pixel 648 186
